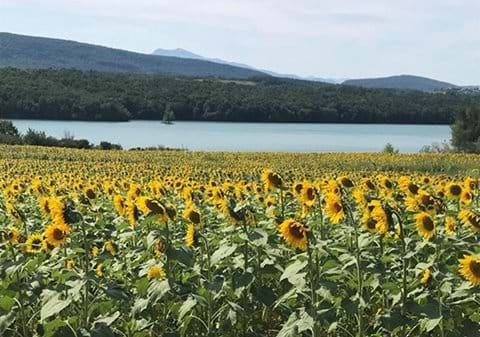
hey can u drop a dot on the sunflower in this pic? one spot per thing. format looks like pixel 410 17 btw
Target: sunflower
pixel 470 268
pixel 297 188
pixel 89 192
pixel 159 248
pixel 454 191
pixel 110 247
pixel 56 234
pixel 471 218
pixel 359 197
pixel 426 276
pixel 190 238
pixel 14 235
pixel 100 270
pixel 369 223
pixel 466 197
pixel 156 272
pixel 309 195
pixel 44 206
pixel 131 212
pixel 151 207
pixel 69 264
pixel 34 244
pixel 334 209
pixel 271 179
pixel 95 251
pixel 192 215
pixel 294 233
pixel 119 204
pixel 378 213
pixel 368 185
pixel 450 225
pixel 425 225
pixel 345 182
pixel 270 201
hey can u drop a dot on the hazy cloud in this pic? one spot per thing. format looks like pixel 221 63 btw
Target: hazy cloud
pixel 347 38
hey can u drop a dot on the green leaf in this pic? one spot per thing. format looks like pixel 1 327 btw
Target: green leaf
pixel 222 253
pixel 140 305
pixel 292 270
pixel 186 307
pixel 6 303
pixel 430 324
pixel 183 255
pixel 108 320
pixel 52 304
pixel 265 295
pixel 6 321
pixel 241 279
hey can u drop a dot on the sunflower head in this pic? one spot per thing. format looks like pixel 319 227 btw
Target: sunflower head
pixel 334 209
pixel 470 269
pixel 427 274
pixel 34 244
pixel 56 234
pixel 425 225
pixel 156 272
pixel 294 233
pixel 192 215
pixel 190 237
pixel 454 190
pixel 271 179
pixel 468 217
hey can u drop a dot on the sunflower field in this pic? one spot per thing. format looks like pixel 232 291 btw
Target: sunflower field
pixel 176 243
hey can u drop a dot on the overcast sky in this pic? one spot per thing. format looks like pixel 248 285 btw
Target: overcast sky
pixel 325 38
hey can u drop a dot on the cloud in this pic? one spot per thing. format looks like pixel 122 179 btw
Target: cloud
pixel 341 38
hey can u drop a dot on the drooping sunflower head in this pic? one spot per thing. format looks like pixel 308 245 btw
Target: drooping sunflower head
pixel 294 233
pixel 309 195
pixel 45 207
pixel 89 192
pixel 110 247
pixel 425 225
pixel 345 182
pixel 100 270
pixel 159 248
pixel 119 204
pixel 470 269
pixel 190 237
pixel 192 215
pixel 468 217
pixel 271 179
pixel 334 208
pixel 466 197
pixel 427 274
pixel 151 207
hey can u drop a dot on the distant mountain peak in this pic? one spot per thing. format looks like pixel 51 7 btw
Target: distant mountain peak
pixel 24 51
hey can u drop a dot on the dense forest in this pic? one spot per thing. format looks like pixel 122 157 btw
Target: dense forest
pixel 77 95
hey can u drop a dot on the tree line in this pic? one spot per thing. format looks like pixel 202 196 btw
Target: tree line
pixel 77 95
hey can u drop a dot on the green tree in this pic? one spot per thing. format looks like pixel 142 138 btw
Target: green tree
pixel 466 130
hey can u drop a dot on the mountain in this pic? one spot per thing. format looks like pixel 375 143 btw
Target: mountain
pixel 38 53
pixel 401 82
pixel 182 53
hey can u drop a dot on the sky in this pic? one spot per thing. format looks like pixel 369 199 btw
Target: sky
pixel 331 39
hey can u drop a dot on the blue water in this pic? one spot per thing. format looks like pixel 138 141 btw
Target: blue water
pixel 213 136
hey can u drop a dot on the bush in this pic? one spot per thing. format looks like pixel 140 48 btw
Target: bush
pixel 389 149
pixel 466 130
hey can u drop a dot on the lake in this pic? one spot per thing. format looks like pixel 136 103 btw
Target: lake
pixel 219 136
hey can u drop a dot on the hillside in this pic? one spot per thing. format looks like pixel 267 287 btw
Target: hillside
pixel 37 52
pixel 76 95
pixel 401 82
pixel 182 53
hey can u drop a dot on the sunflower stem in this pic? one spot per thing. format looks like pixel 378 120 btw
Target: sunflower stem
pixel 245 268
pixel 313 290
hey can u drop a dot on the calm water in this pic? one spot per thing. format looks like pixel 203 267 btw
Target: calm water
pixel 211 136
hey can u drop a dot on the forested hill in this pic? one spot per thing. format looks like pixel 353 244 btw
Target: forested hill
pixel 39 53
pixel 72 94
pixel 401 82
